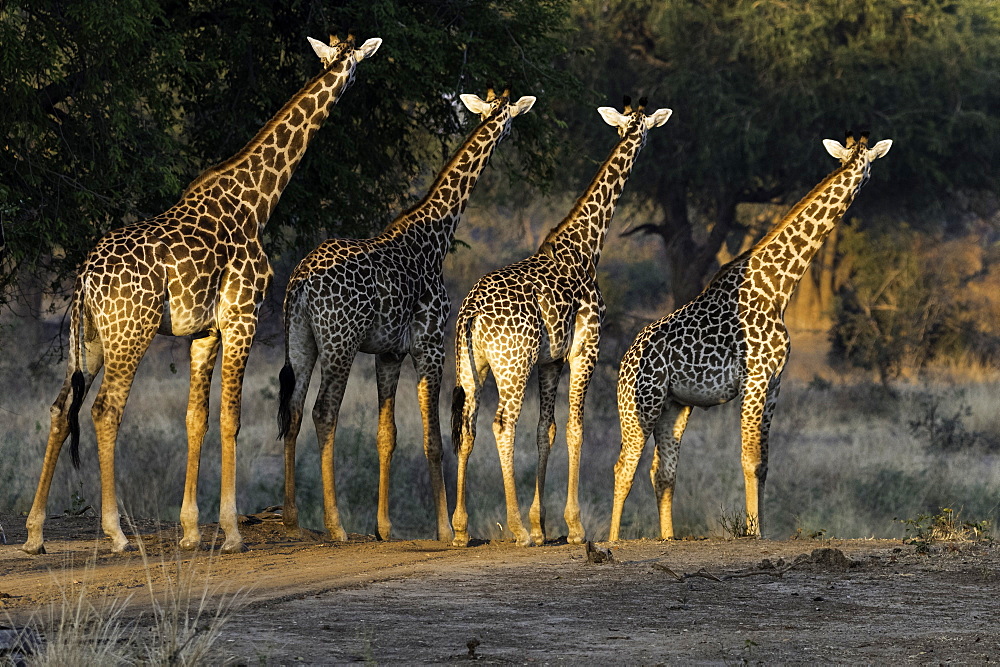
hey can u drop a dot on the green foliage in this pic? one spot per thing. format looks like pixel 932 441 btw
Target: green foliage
pixel 756 86
pixel 110 108
pixel 945 526
pixel 909 299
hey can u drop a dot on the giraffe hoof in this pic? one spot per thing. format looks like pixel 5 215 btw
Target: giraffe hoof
pixel 460 540
pixel 293 531
pixel 123 548
pixel 234 548
pixel 576 539
pixel 445 534
pixel 33 549
pixel 537 539
pixel 190 544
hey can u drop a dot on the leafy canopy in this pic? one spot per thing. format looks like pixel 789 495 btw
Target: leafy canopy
pixel 111 108
pixel 757 84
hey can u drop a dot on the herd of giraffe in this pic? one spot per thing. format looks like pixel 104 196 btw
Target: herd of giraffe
pixel 199 270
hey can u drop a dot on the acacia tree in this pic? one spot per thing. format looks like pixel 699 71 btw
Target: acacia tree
pixel 110 108
pixel 756 84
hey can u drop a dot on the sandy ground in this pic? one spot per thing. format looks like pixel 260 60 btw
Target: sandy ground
pixel 706 601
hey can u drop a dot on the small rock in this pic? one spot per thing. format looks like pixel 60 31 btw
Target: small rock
pixel 832 558
pixel 598 554
pixel 16 644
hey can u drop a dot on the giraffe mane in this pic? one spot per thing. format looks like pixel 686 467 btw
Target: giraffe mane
pixel 574 212
pixel 397 223
pixel 210 173
pixel 799 206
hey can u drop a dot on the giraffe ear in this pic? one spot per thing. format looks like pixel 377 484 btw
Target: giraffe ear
pixel 835 149
pixel 523 105
pixel 879 149
pixel 612 117
pixel 474 104
pixel 325 53
pixel 367 49
pixel 658 118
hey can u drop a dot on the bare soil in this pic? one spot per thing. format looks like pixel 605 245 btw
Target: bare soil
pixel 706 601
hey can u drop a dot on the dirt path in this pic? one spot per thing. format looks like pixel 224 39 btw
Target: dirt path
pixel 421 601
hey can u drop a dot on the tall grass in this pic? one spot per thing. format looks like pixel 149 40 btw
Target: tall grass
pixel 88 626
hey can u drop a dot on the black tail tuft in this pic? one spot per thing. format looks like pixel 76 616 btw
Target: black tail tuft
pixel 457 407
pixel 286 385
pixel 78 385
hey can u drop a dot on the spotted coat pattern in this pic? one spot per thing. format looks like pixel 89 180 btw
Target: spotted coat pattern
pixel 729 341
pixel 383 296
pixel 547 310
pixel 197 269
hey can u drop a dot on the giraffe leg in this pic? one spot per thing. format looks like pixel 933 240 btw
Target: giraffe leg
pixel 301 356
pixel 429 364
pixel 548 383
pixel 204 352
pixel 387 378
pixel 460 517
pixel 667 432
pixel 754 445
pixel 582 360
pixel 510 388
pixel 635 431
pixel 58 432
pixel 119 372
pixel 770 401
pixel 236 339
pixel 336 366
pixel 464 416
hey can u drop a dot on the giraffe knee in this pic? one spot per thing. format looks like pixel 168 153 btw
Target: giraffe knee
pixel 754 469
pixel 105 414
pixel 498 422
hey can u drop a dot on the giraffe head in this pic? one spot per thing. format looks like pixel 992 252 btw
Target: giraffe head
pixel 857 151
pixel 497 105
pixel 343 54
pixel 634 120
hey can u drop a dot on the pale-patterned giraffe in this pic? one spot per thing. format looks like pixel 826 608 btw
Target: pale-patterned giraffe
pixel 383 296
pixel 729 341
pixel 199 270
pixel 546 309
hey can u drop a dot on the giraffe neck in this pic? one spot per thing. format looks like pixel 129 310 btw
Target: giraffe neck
pixel 585 228
pixel 430 225
pixel 782 257
pixel 249 184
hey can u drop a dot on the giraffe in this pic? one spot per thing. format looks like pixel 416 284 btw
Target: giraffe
pixel 198 270
pixel 383 296
pixel 730 340
pixel 546 309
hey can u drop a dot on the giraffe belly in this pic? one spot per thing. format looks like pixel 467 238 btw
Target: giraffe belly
pixel 705 389
pixel 179 320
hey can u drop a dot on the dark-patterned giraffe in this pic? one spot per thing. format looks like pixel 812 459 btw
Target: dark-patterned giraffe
pixel 199 269
pixel 729 341
pixel 546 309
pixel 383 296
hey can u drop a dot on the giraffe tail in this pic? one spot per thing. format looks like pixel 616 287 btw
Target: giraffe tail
pixel 77 381
pixel 78 385
pixel 457 408
pixel 286 385
pixel 458 395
